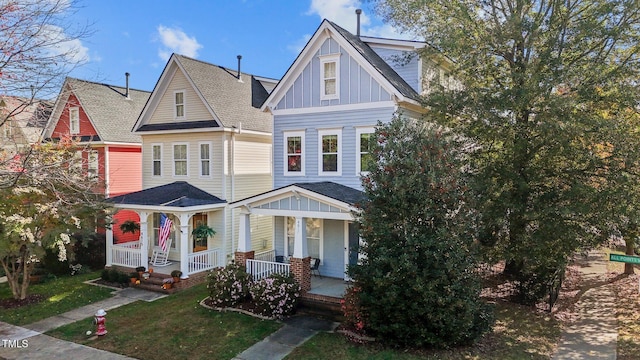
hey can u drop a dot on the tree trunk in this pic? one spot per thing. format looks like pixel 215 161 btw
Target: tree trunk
pixel 629 242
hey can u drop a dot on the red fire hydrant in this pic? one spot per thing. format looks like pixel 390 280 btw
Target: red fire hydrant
pixel 99 320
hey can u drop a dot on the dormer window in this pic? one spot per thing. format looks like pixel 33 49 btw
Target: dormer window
pixel 74 120
pixel 179 104
pixel 330 77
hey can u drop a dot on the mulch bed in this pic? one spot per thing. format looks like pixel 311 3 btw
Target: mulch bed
pixel 16 303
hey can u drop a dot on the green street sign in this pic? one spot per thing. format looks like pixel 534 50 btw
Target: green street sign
pixel 625 258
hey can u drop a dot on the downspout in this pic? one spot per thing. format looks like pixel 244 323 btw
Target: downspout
pixel 232 174
pixel 106 170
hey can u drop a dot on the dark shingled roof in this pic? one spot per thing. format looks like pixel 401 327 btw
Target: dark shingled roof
pixel 180 125
pixel 335 191
pixel 176 194
pixel 377 62
pixel 231 100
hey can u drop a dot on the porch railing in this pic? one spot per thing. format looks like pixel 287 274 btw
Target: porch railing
pixel 266 256
pixel 129 244
pixel 205 260
pixel 262 269
pixel 126 256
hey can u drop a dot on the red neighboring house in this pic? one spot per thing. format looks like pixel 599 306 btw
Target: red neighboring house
pixel 100 117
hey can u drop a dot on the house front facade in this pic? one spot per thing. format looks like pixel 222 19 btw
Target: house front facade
pixel 325 110
pixel 205 143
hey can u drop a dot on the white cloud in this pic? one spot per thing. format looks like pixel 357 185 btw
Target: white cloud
pixel 60 44
pixel 175 40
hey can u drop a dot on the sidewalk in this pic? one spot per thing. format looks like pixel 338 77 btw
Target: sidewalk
pixel 28 342
pixel 595 334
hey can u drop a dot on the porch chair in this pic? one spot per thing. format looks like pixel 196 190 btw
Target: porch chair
pixel 315 266
pixel 160 257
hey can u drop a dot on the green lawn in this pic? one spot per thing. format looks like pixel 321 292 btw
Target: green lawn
pixel 60 295
pixel 174 327
pixel 518 334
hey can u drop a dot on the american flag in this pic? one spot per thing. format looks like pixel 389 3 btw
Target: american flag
pixel 164 231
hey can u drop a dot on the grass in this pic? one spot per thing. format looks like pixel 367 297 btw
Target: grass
pixel 61 294
pixel 174 327
pixel 518 333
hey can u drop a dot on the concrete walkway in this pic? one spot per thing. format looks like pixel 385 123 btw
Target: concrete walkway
pixel 295 332
pixel 595 334
pixel 28 342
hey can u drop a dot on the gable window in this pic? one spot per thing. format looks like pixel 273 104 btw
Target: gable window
pixel 329 152
pixel 314 227
pixel 365 140
pixel 330 77
pixel 180 152
pixel 92 164
pixel 294 153
pixel 156 151
pixel 205 159
pixel 179 104
pixel 74 120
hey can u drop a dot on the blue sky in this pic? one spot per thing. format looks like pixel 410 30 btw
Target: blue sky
pixel 138 36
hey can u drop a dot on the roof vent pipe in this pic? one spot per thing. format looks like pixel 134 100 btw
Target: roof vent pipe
pixel 126 94
pixel 358 12
pixel 239 58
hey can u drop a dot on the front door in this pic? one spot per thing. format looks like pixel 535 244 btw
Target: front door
pixel 199 244
pixel 353 247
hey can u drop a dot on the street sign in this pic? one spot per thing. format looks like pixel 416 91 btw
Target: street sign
pixel 630 259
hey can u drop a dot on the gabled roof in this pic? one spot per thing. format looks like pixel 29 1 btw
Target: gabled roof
pixel 328 189
pixel 177 194
pixel 27 115
pixel 232 103
pixel 357 48
pixel 109 110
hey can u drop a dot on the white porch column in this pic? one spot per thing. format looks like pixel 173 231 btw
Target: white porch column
pixel 244 233
pixel 144 239
pixel 300 250
pixel 109 241
pixel 184 245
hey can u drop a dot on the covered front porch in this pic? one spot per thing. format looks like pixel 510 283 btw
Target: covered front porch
pixel 311 221
pixel 182 207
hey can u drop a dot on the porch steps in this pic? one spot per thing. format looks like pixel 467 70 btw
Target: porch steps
pixel 154 283
pixel 325 307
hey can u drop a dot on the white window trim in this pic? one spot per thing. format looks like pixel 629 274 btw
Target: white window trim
pixel 360 131
pixel 184 105
pixel 285 163
pixel 173 155
pixel 153 159
pixel 74 130
pixel 210 158
pixel 325 59
pixel 321 133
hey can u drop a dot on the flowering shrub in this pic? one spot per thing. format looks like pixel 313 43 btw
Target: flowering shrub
pixel 228 286
pixel 276 296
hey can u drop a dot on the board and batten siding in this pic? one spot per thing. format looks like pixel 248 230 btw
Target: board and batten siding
pixel 356 84
pixel 194 109
pixel 405 63
pixel 125 174
pixel 347 121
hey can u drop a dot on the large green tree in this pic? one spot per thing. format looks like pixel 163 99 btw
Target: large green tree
pixel 417 284
pixel 536 79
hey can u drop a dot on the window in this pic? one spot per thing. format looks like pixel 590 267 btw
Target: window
pixel 205 159
pixel 180 159
pixel 313 236
pixel 172 233
pixel 329 152
pixel 329 73
pixel 8 129
pixel 294 153
pixel 179 103
pixel 92 164
pixel 74 120
pixel 157 159
pixel 365 140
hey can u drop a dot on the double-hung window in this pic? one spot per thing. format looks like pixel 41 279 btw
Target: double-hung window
pixel 314 227
pixel 330 152
pixel 330 77
pixel 294 153
pixel 205 159
pixel 180 156
pixel 74 120
pixel 92 164
pixel 179 104
pixel 365 140
pixel 156 151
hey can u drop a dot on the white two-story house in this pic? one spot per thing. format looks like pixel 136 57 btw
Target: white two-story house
pixel 205 143
pixel 324 112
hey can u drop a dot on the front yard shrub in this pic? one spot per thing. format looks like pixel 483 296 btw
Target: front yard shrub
pixel 228 286
pixel 276 296
pixel 90 250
